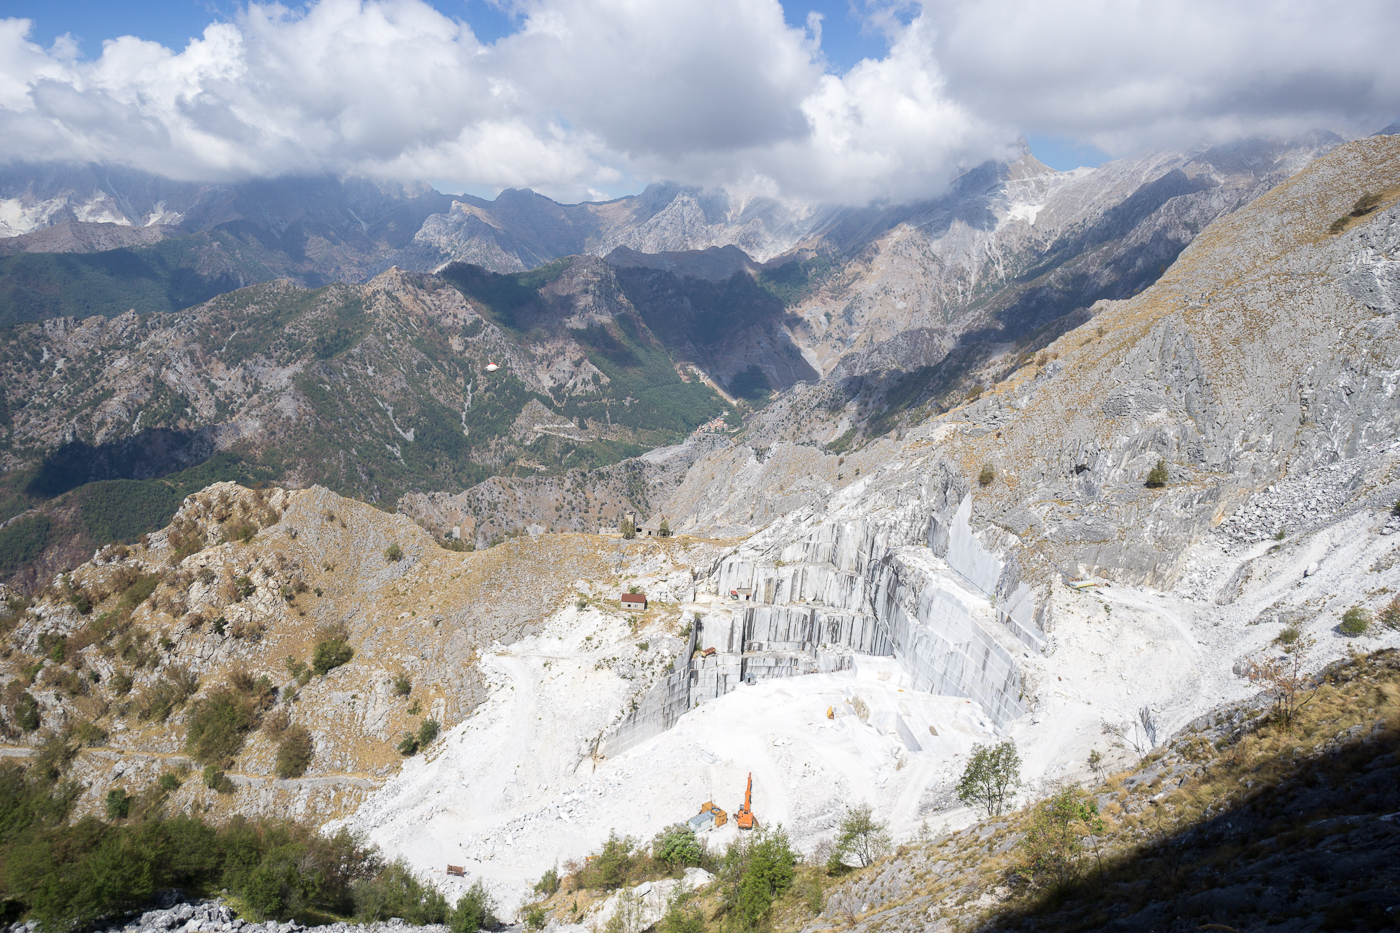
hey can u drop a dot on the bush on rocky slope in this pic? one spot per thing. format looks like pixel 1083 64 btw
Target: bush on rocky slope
pixel 66 874
pixel 1239 820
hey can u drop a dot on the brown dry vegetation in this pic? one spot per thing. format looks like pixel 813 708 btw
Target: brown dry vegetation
pixel 209 608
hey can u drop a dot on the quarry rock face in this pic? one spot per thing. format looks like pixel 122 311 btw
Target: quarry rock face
pixel 1189 374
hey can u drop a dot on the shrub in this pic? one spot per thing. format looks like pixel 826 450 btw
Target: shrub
pixel 27 712
pixel 172 690
pixel 427 731
pixel 683 916
pixel 219 724
pixel 676 846
pixel 294 752
pixel 137 593
pixel 475 910
pixel 1390 615
pixel 1157 477
pixel 395 892
pixel 860 836
pixel 402 685
pixel 609 870
pixel 1288 635
pixel 241 530
pixel 276 723
pixel 118 804
pixel 628 915
pixel 408 745
pixel 393 553
pixel 212 778
pixel 88 733
pixel 991 777
pixel 54 755
pixel 987 475
pixel 1285 679
pixel 1355 621
pixel 534 916
pixel 332 652
pixel 548 885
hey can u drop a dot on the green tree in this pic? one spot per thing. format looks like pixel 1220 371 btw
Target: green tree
pixel 548 884
pixel 475 910
pixel 860 837
pixel 219 724
pixel 665 529
pixel 628 916
pixel 628 529
pixel 677 846
pixel 1157 477
pixel 757 868
pixel 1053 846
pixel 393 553
pixel 610 869
pixel 991 777
pixel 428 730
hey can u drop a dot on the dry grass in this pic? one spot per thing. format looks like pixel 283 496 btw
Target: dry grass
pixel 1210 779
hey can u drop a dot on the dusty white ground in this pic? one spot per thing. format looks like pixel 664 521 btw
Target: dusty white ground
pixel 515 789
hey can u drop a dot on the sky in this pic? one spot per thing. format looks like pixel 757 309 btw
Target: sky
pixel 836 101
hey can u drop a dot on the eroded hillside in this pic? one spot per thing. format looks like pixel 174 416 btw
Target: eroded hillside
pixel 129 656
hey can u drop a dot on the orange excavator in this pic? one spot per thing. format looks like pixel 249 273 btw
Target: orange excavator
pixel 744 819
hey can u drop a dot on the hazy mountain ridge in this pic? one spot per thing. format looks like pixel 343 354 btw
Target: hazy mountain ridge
pixel 374 390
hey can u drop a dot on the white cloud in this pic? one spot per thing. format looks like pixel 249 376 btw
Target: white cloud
pixel 589 92
pixel 1123 74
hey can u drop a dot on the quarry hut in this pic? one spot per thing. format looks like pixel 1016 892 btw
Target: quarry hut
pixel 637 601
pixel 651 528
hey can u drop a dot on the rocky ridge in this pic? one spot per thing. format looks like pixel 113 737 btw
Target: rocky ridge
pixel 214 916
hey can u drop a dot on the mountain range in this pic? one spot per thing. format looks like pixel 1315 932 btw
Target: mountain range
pixel 619 326
pixel 1093 557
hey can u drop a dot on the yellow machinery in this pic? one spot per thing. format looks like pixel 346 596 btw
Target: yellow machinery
pixel 709 815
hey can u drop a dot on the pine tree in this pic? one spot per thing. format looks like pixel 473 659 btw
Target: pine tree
pixel 1157 477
